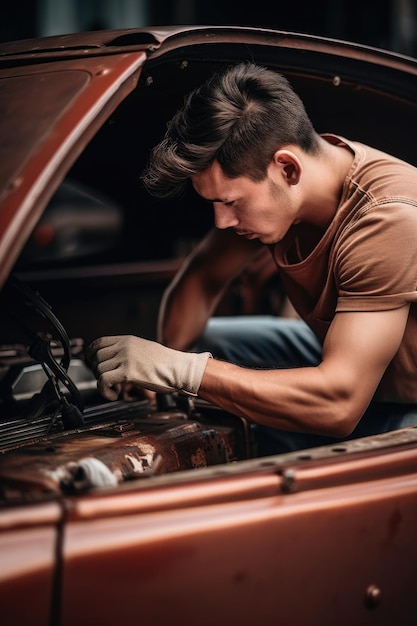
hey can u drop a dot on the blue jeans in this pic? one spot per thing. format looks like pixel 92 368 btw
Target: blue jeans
pixel 272 342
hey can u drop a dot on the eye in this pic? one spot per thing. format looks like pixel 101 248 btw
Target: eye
pixel 231 203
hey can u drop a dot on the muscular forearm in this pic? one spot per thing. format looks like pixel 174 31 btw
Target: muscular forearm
pixel 328 399
pixel 298 400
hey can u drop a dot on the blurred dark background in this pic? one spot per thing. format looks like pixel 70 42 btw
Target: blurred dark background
pixel 389 24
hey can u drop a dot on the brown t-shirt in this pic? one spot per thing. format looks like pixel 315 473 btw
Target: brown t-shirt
pixel 365 261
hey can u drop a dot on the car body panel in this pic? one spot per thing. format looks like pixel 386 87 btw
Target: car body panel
pixel 28 548
pixel 183 522
pixel 318 551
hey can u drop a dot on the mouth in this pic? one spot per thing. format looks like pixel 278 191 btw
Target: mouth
pixel 247 235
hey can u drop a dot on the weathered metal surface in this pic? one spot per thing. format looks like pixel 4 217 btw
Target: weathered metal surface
pixel 113 453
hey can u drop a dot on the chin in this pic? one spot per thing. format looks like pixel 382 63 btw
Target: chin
pixel 269 240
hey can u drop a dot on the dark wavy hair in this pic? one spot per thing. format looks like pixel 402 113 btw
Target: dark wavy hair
pixel 239 117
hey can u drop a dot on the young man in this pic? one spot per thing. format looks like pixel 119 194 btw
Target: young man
pixel 340 220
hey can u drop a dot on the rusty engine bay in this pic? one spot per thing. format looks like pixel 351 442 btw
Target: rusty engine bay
pixel 57 435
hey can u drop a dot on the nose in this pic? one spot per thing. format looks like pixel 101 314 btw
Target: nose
pixel 224 216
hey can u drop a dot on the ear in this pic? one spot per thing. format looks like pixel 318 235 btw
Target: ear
pixel 289 165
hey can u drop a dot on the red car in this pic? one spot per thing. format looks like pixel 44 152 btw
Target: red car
pixel 131 512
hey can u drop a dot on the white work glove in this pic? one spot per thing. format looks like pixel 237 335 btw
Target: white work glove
pixel 128 359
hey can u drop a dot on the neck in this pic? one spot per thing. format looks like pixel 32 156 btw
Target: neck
pixel 324 177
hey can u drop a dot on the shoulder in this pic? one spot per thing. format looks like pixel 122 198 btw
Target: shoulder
pixel 384 176
pixel 379 172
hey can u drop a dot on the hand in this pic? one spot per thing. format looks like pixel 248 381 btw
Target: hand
pixel 130 392
pixel 127 359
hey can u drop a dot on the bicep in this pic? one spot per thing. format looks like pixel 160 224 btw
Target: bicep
pixel 358 348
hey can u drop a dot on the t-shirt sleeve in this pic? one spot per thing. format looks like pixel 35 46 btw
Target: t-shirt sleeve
pixel 376 258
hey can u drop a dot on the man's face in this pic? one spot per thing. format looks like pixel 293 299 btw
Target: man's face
pixel 256 210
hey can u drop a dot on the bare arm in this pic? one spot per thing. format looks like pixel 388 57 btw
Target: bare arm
pixel 198 287
pixel 328 399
